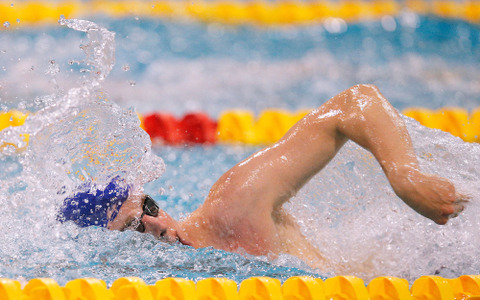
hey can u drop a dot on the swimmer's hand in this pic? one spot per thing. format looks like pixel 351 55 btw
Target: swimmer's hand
pixel 431 196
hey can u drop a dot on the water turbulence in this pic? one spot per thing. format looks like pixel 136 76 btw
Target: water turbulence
pixel 351 213
pixel 348 211
pixel 74 136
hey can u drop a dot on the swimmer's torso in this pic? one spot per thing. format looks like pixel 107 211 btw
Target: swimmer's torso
pixel 253 233
pixel 243 211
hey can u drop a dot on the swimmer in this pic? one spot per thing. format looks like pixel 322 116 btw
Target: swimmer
pixel 243 211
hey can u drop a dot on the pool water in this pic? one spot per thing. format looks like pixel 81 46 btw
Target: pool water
pixel 85 125
pixel 182 66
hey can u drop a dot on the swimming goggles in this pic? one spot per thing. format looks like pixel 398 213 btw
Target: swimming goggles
pixel 150 208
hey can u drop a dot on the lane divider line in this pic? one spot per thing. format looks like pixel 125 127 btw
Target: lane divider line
pixel 265 288
pixel 243 127
pixel 257 12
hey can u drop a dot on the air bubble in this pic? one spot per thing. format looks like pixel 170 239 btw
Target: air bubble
pixel 6 24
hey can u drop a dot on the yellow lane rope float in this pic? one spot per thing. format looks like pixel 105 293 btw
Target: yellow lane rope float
pixel 457 121
pixel 243 127
pixel 259 12
pixel 264 288
pixel 12 118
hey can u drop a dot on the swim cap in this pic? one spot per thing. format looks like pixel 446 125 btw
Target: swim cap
pixel 89 206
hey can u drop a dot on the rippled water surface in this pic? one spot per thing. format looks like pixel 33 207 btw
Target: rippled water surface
pixel 84 125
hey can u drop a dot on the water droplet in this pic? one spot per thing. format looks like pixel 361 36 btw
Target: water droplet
pixel 62 20
pixel 6 24
pixel 18 20
pixel 126 68
pixel 53 68
pixel 11 4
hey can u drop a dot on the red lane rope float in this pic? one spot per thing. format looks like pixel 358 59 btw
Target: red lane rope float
pixel 243 127
pixel 163 126
pixel 192 128
pixel 199 128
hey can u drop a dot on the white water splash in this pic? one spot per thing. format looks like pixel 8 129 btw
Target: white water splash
pixel 82 135
pixel 353 216
pixel 349 211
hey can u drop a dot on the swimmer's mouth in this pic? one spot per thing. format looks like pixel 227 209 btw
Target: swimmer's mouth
pixel 172 240
pixel 182 241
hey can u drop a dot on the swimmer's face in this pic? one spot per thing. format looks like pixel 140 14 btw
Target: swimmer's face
pixel 162 226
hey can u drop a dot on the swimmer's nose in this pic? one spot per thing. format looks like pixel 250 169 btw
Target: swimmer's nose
pixel 159 229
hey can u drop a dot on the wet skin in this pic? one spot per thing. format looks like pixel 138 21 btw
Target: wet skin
pixel 243 211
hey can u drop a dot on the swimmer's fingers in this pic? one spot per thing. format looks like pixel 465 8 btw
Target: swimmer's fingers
pixel 459 204
pixel 457 208
pixel 462 198
pixel 454 215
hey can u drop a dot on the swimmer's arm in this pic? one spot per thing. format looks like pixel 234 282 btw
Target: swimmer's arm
pixel 363 115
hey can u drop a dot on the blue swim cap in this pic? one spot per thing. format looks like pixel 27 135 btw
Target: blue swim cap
pixel 90 205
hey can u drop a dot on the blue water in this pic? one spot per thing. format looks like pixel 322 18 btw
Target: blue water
pixel 184 66
pixel 348 211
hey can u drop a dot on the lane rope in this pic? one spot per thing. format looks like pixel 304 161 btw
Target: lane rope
pixel 258 12
pixel 243 127
pixel 265 288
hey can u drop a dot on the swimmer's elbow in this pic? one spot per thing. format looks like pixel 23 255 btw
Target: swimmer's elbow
pixel 363 96
pixel 362 90
pixel 365 87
